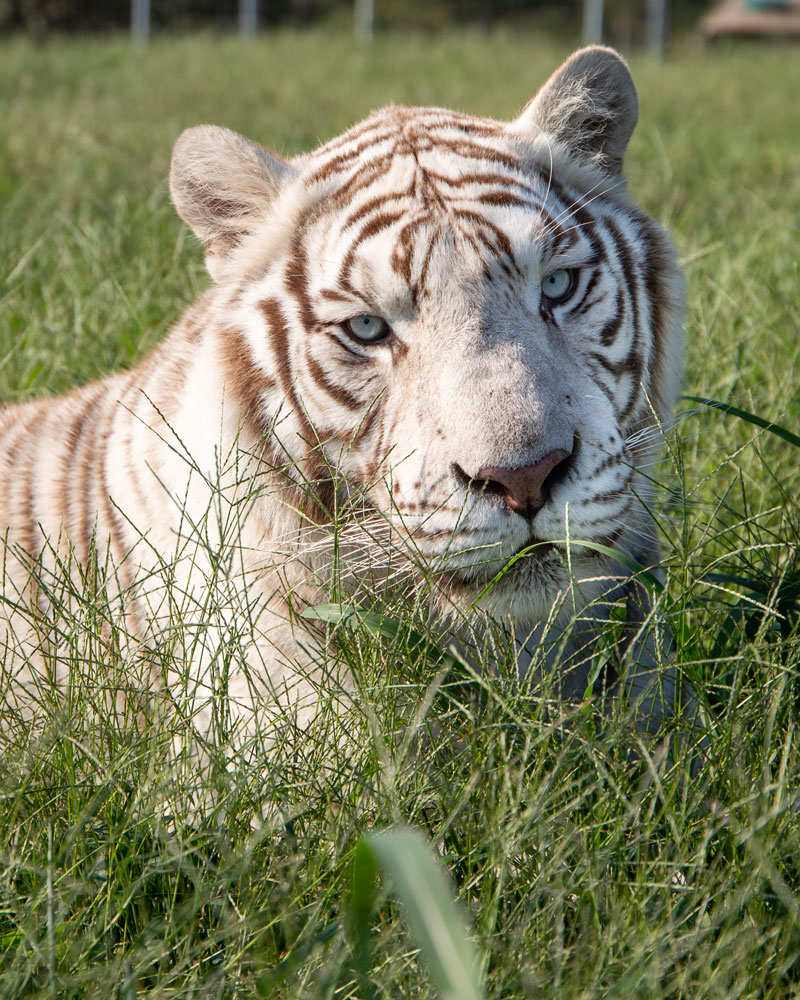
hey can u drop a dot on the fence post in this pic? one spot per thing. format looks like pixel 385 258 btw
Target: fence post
pixel 656 28
pixel 248 17
pixel 140 20
pixel 592 21
pixel 364 19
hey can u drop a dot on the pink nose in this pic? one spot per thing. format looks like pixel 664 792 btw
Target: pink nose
pixel 523 488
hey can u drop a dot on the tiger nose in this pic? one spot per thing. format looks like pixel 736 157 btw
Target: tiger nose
pixel 523 489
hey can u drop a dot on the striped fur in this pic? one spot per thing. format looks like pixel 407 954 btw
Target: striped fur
pixel 222 459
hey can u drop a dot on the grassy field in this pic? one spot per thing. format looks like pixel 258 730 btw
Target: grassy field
pixel 581 874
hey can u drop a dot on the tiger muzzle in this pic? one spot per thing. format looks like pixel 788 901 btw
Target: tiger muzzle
pixel 523 490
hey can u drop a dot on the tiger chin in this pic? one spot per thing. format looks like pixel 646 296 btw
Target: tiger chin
pixel 444 334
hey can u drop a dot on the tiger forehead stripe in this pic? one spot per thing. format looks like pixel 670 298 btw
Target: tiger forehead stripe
pixel 370 174
pixel 563 224
pixel 411 137
pixel 372 204
pixel 359 180
pixel 385 125
pixel 439 192
pixel 505 185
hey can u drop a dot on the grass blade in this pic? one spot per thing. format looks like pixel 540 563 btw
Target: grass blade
pixel 380 625
pixel 640 572
pixel 751 418
pixel 436 924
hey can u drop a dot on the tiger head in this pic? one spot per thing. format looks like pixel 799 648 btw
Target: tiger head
pixel 469 320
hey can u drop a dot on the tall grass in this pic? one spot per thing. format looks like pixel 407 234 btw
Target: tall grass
pixel 587 861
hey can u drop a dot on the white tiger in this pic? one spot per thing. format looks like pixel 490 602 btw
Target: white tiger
pixel 445 332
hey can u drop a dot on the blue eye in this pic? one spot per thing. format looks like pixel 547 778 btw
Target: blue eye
pixel 367 329
pixel 558 286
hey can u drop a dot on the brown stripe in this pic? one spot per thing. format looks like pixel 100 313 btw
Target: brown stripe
pixel 658 261
pixel 368 421
pixel 607 462
pixel 247 381
pixel 585 304
pixel 503 199
pixel 564 239
pixel 331 295
pixel 630 272
pixel 403 252
pixel 371 124
pixel 297 282
pixel 91 486
pixel 71 466
pixel 607 496
pixel 612 326
pixel 421 284
pixel 475 151
pixel 552 228
pixel 22 491
pixel 372 204
pixel 346 268
pixel 601 384
pixel 573 209
pixel 169 373
pixel 378 224
pixel 488 179
pixel 278 333
pixel 115 524
pixel 134 464
pixel 31 531
pixel 344 195
pixel 493 240
pixel 338 392
pixel 340 163
pixel 482 224
pixel 627 366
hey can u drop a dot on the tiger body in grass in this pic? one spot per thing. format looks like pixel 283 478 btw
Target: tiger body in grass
pixel 457 329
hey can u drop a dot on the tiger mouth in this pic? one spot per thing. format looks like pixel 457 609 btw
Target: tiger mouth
pixel 534 554
pixel 539 551
pixel 539 548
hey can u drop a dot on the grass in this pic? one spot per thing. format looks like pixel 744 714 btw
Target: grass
pixel 581 874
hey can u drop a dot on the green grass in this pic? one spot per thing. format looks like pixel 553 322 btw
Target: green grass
pixel 581 874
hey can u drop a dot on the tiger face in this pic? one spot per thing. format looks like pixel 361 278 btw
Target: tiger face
pixel 467 323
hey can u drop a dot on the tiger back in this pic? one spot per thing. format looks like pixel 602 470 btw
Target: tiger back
pixel 446 336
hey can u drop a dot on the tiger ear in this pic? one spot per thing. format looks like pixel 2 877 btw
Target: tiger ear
pixel 222 185
pixel 589 105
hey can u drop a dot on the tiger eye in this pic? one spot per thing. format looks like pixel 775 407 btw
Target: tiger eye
pixel 559 286
pixel 367 329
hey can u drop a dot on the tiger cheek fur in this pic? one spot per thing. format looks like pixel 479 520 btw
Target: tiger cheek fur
pixel 463 325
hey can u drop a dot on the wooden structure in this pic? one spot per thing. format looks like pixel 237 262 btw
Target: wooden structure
pixel 735 18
